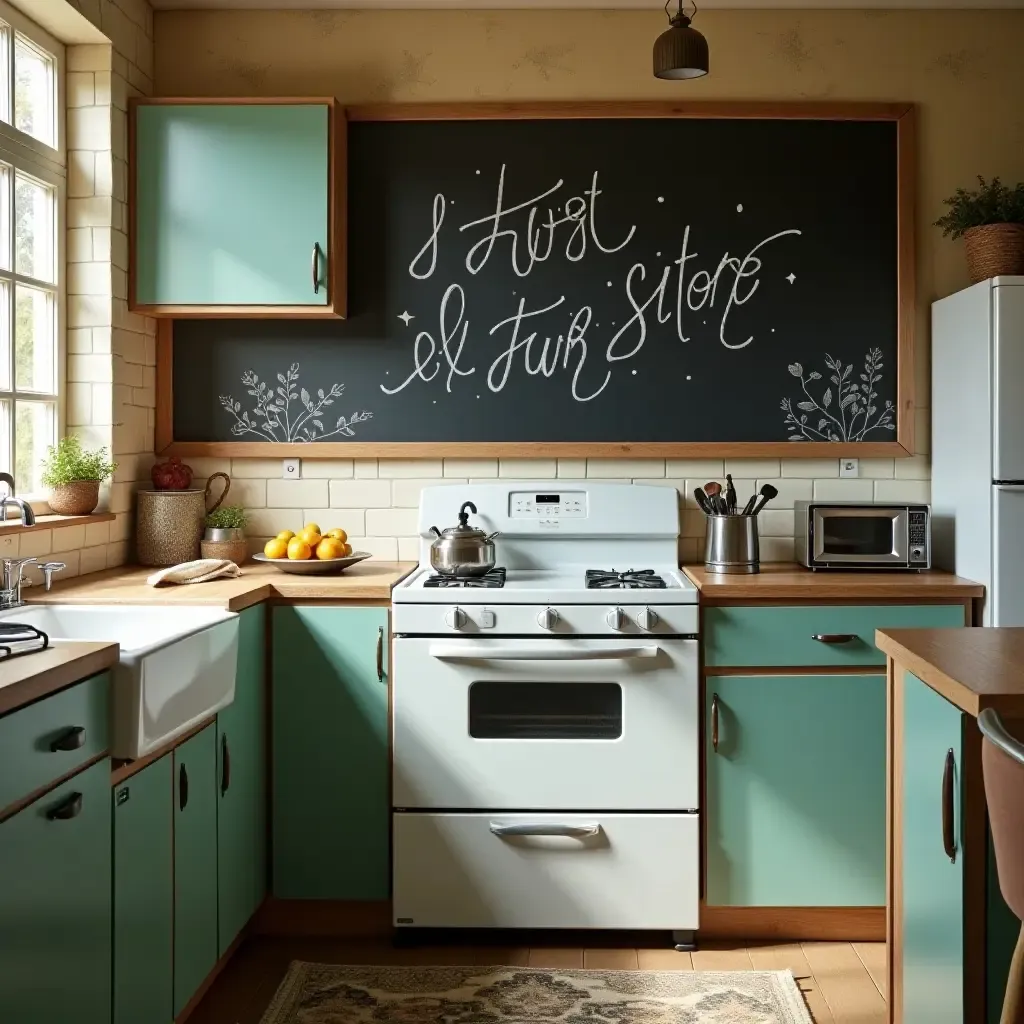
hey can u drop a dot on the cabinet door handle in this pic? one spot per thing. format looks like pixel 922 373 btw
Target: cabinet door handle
pixel 714 721
pixel 948 836
pixel 225 764
pixel 182 788
pixel 380 654
pixel 316 268
pixel 833 638
pixel 70 808
pixel 70 740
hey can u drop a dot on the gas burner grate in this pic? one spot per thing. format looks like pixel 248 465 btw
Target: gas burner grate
pixel 493 580
pixel 630 579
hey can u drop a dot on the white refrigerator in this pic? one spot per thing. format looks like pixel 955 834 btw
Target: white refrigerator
pixel 978 441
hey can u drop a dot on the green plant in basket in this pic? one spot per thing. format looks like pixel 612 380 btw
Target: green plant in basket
pixel 227 517
pixel 73 474
pixel 990 219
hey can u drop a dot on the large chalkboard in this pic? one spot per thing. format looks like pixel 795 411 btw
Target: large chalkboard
pixel 655 281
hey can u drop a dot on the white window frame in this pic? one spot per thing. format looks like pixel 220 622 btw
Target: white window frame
pixel 49 165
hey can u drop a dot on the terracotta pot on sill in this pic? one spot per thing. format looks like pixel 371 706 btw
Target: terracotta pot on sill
pixel 78 498
pixel 994 250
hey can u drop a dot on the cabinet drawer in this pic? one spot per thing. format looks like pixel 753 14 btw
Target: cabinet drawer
pixel 28 738
pixel 748 635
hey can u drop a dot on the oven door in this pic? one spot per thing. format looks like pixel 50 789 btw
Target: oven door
pixel 545 724
pixel 861 536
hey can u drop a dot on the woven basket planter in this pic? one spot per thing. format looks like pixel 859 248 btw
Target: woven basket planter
pixel 78 498
pixel 994 250
pixel 225 543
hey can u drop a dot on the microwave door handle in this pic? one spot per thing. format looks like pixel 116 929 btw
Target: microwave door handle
pixel 469 653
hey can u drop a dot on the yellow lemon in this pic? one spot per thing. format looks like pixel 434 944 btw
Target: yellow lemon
pixel 338 535
pixel 348 550
pixel 285 535
pixel 276 548
pixel 311 528
pixel 330 547
pixel 311 535
pixel 298 549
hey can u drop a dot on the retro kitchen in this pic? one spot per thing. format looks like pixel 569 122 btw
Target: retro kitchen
pixel 511 512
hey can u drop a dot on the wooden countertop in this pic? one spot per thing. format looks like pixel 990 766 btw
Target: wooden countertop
pixel 366 581
pixel 975 668
pixel 787 581
pixel 25 679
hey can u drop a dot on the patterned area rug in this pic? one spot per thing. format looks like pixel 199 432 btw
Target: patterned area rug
pixel 332 994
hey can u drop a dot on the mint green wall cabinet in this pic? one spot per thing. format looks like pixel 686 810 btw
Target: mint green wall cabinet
pixel 230 200
pixel 195 864
pixel 796 790
pixel 933 909
pixel 241 785
pixel 330 753
pixel 55 905
pixel 144 896
pixel 761 635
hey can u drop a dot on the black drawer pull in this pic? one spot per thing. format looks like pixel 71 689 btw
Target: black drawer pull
pixel 948 836
pixel 225 764
pixel 714 721
pixel 182 788
pixel 70 740
pixel 834 638
pixel 70 808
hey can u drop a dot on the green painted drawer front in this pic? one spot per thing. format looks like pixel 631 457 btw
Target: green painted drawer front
pixel 26 761
pixel 195 864
pixel 760 636
pixel 144 896
pixel 55 907
pixel 229 201
pixel 330 754
pixel 933 941
pixel 241 785
pixel 796 791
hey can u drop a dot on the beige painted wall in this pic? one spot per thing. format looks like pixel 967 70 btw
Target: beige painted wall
pixel 963 69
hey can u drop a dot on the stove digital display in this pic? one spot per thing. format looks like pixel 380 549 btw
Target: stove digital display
pixel 548 499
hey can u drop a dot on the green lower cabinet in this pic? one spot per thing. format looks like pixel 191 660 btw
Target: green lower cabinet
pixel 144 896
pixel 195 864
pixel 55 926
pixel 330 754
pixel 796 790
pixel 933 909
pixel 241 786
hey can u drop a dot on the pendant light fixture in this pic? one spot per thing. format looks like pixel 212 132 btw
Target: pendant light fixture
pixel 680 52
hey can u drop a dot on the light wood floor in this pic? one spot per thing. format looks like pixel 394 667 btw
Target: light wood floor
pixel 843 983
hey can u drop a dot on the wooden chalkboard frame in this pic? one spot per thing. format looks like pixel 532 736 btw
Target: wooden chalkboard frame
pixel 903 445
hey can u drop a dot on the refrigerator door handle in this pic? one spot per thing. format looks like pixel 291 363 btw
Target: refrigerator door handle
pixel 1009 487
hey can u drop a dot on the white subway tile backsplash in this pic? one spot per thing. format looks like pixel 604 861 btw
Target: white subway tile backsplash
pixel 256 468
pixel 776 549
pixel 390 522
pixel 876 469
pixel 844 490
pixel 706 469
pixel 36 542
pixel 775 522
pixel 379 547
pixel 406 493
pixel 789 490
pixel 810 468
pixel 527 469
pixel 248 493
pixel 351 520
pixel 611 469
pixel 409 549
pixel 71 560
pixel 297 493
pixel 463 469
pixel 903 490
pixel 364 469
pixel 266 522
pixel 327 469
pixel 919 467
pixel 93 559
pixel 759 468
pixel 72 537
pixel 399 468
pixel 360 493
pixel 97 533
pixel 572 469
pixel 693 523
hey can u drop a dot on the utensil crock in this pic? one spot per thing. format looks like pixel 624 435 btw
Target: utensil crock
pixel 731 544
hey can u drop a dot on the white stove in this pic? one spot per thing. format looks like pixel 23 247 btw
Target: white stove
pixel 546 717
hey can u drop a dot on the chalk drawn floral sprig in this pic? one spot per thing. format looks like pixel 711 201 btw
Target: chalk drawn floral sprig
pixel 848 413
pixel 287 412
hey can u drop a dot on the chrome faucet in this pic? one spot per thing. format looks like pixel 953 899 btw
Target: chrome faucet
pixel 14 580
pixel 28 517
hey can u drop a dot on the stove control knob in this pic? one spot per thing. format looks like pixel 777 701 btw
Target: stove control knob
pixel 614 618
pixel 455 618
pixel 547 619
pixel 647 619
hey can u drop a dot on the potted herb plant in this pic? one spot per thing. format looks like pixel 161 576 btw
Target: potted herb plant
pixel 225 534
pixel 990 219
pixel 73 476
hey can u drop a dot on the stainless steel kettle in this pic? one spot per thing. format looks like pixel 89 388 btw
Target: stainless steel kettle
pixel 462 550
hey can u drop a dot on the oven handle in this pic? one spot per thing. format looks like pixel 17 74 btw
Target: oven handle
pixel 547 828
pixel 542 653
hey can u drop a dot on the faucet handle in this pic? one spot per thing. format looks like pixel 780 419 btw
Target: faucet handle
pixel 12 570
pixel 48 569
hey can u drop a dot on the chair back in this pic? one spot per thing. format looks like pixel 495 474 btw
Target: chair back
pixel 1002 758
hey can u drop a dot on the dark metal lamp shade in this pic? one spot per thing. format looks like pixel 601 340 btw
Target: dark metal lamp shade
pixel 680 52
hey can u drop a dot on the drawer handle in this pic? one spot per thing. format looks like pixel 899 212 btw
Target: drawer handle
pixel 834 638
pixel 380 654
pixel 70 740
pixel 948 837
pixel 316 268
pixel 547 828
pixel 714 721
pixel 70 808
pixel 225 764
pixel 182 788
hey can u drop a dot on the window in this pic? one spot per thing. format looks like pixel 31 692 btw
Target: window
pixel 32 174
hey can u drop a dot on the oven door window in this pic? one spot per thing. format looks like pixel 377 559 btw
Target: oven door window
pixel 545 711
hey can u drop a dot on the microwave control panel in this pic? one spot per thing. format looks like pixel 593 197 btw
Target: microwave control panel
pixel 918 536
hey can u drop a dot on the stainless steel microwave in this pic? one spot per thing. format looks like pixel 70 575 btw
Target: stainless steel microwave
pixel 863 535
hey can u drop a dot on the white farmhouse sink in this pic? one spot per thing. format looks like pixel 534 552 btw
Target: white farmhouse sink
pixel 177 663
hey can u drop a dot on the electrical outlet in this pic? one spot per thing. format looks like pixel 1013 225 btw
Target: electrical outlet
pixel 848 468
pixel 291 469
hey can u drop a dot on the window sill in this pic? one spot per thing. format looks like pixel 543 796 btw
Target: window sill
pixel 52 522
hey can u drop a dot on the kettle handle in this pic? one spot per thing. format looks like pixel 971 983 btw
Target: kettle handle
pixel 435 531
pixel 465 505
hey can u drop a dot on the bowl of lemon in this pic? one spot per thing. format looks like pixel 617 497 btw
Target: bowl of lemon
pixel 310 551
